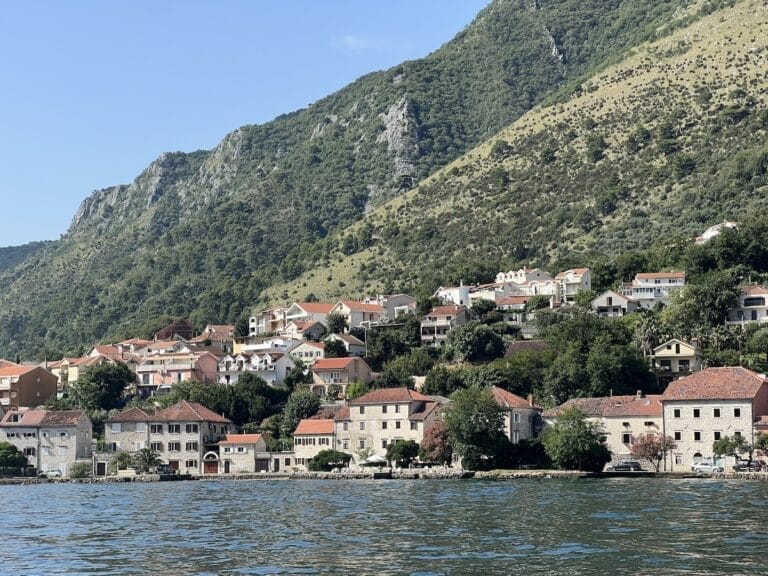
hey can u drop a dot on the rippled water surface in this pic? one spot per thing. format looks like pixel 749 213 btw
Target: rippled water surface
pixel 643 526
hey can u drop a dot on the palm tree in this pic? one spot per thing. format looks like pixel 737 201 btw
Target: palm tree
pixel 146 459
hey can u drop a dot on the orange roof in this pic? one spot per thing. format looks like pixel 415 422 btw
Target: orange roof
pixel 15 370
pixel 506 399
pixel 633 406
pixel 753 290
pixel 242 439
pixel 342 414
pixel 654 275
pixel 446 310
pixel 314 427
pixel 423 414
pixel 45 418
pixel 190 411
pixel 4 363
pixel 315 307
pixel 727 383
pixel 130 415
pixel 135 341
pixel 390 396
pixel 512 300
pixel 362 306
pixel 333 363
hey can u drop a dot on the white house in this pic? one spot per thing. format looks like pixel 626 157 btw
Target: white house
pixel 752 307
pixel 270 366
pixel 651 288
pixel 611 304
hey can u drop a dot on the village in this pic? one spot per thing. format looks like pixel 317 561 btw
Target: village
pixel 695 407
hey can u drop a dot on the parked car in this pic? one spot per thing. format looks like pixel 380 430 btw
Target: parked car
pixel 745 466
pixel 625 466
pixel 49 474
pixel 706 467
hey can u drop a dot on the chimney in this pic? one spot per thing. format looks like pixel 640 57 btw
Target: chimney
pixel 530 399
pixel 640 394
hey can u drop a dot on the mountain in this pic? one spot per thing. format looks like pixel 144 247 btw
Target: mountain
pixel 644 155
pixel 12 256
pixel 204 233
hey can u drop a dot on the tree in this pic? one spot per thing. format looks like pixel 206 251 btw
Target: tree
pixel 474 423
pixel 441 381
pixel 652 448
pixel 402 452
pixel 80 470
pixel 355 389
pixel 327 460
pixel 145 459
pixel 120 461
pixel 573 443
pixel 436 446
pixel 335 349
pixel 732 446
pixel 302 403
pixel 297 375
pixel 758 342
pixel 394 375
pixel 474 341
pixel 481 308
pixel 11 458
pixel 103 386
pixel 337 323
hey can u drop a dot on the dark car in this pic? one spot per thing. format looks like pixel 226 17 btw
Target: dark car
pixel 626 466
pixel 744 466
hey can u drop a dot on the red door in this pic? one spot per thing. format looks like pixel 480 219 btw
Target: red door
pixel 211 467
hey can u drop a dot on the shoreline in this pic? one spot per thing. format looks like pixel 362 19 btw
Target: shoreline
pixel 442 474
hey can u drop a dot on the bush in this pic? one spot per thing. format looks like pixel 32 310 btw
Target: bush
pixel 327 460
pixel 80 470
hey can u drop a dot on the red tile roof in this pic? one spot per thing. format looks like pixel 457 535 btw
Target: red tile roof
pixel 315 307
pixel 390 396
pixel 242 439
pixel 617 406
pixel 130 415
pixel 333 363
pixel 362 306
pixel 512 300
pixel 591 407
pixel 4 363
pixel 446 310
pixel 314 427
pixel 655 275
pixel 185 411
pixel 506 399
pixel 728 383
pixel 754 291
pixel 425 412
pixel 15 370
pixel 45 418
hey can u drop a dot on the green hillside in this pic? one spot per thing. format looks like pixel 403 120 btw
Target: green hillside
pixel 644 155
pixel 203 233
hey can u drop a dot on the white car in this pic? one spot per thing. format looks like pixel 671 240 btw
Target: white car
pixel 706 468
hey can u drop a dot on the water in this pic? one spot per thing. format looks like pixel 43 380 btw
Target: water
pixel 423 528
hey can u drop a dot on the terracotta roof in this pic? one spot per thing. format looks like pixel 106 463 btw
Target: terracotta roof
pixel 728 383
pixel 242 439
pixel 633 406
pixel 349 339
pixel 573 270
pixel 15 370
pixel 753 291
pixel 130 415
pixel 446 310
pixel 658 275
pixel 506 399
pixel 46 418
pixel 525 346
pixel 512 300
pixel 342 414
pixel 591 407
pixel 315 307
pixel 312 426
pixel 137 342
pixel 355 305
pixel 28 418
pixel 4 363
pixel 333 363
pixel 424 413
pixel 189 411
pixel 761 423
pixel 390 396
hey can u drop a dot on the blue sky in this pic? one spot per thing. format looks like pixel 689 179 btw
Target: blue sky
pixel 93 91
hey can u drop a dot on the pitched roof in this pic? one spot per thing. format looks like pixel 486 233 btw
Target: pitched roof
pixel 655 275
pixel 333 363
pixel 15 370
pixel 423 414
pixel 362 306
pixel 591 407
pixel 242 439
pixel 512 300
pixel 129 415
pixel 185 411
pixel 727 383
pixel 577 271
pixel 753 291
pixel 45 418
pixel 4 363
pixel 517 346
pixel 349 339
pixel 314 426
pixel 506 399
pixel 27 418
pixel 633 406
pixel 446 310
pixel 390 396
pixel 342 414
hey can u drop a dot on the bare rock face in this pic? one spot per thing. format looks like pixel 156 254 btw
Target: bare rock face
pixel 397 134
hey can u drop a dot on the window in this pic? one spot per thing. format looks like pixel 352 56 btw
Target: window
pixel 156 446
pixel 191 463
pixel 29 435
pixel 228 449
pixel 240 449
pixel 737 434
pixel 716 413
pixel 383 425
pixel 697 436
pixel 737 412
pixel 362 425
pixel 141 427
pixel 397 424
pixel 287 461
pixel 29 451
pixel 717 435
pixel 115 427
pixel 678 459
pixel 362 409
pixel 384 443
pixel 414 425
pixel 62 434
pixel 397 408
pixel 345 444
pixel 174 428
pixel 10 434
pixel 192 428
pixel 384 409
pixel 156 428
pixel 362 444
pixel 676 413
pixel 626 438
pixel 515 437
pixel 516 417
pixel 649 423
pixel 345 426
pixel 174 446
pixel 678 436
pixel 697 412
pixel 191 446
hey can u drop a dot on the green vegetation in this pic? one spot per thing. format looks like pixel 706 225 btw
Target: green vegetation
pixel 402 452
pixel 327 460
pixel 653 449
pixel 80 470
pixel 12 460
pixel 573 443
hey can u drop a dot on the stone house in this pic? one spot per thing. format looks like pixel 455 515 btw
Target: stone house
pixel 339 371
pixel 676 358
pixel 708 405
pixel 752 307
pixel 437 323
pixel 311 437
pixel 611 304
pixel 244 453
pixel 158 372
pixel 522 418
pixel 309 352
pixel 50 439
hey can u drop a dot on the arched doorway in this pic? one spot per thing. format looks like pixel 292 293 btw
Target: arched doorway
pixel 211 463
